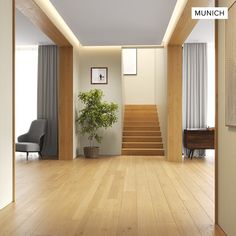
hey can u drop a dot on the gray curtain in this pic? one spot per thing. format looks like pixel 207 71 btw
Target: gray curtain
pixel 47 104
pixel 195 87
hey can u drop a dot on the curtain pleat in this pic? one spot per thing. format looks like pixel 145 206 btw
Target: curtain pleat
pixel 47 102
pixel 195 87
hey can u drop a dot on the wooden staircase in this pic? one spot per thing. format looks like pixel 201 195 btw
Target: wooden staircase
pixel 141 133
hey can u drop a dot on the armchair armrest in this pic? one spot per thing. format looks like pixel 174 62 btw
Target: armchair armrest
pixel 23 138
pixel 41 140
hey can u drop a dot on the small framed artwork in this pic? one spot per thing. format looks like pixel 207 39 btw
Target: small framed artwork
pixel 99 75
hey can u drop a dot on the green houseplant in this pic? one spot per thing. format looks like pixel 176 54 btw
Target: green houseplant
pixel 96 114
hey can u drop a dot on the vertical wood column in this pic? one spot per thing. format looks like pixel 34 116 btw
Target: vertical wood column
pixel 174 94
pixel 65 137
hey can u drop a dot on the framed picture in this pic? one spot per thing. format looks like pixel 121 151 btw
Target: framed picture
pixel 99 75
pixel 129 56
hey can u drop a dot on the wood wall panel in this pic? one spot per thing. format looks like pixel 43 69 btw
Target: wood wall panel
pixel 65 103
pixel 174 95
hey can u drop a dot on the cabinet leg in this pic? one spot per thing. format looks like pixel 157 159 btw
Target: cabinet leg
pixel 192 154
pixel 189 153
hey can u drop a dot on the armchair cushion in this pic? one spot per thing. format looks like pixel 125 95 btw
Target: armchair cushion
pixel 27 147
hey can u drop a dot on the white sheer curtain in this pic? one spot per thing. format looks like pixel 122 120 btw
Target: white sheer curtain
pixel 195 86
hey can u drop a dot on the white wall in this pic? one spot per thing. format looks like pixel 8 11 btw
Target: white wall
pixel 227 150
pixel 161 89
pixel 104 57
pixel 140 88
pixel 6 115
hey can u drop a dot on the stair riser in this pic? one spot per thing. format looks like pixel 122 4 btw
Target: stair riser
pixel 142 139
pixel 141 123
pixel 139 113
pixel 141 133
pixel 135 119
pixel 142 107
pixel 143 145
pixel 143 152
pixel 141 118
pixel 141 128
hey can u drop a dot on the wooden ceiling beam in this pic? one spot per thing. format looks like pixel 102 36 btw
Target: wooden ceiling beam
pixel 36 15
pixel 186 23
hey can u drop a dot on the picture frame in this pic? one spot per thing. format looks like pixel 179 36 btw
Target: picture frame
pixel 99 75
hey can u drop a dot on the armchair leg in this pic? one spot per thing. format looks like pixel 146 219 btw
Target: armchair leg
pixel 27 156
pixel 40 155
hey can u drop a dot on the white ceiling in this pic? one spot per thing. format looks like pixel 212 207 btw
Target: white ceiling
pixel 27 33
pixel 203 32
pixel 117 22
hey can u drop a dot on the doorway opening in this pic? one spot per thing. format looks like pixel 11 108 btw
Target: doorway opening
pixel 36 96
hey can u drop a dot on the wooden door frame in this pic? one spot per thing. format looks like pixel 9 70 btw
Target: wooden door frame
pixel 65 94
pixel 182 30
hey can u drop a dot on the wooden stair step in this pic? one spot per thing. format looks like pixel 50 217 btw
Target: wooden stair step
pixel 141 113
pixel 150 120
pixel 140 128
pixel 142 139
pixel 142 107
pixel 133 117
pixel 141 133
pixel 145 152
pixel 141 123
pixel 141 117
pixel 142 145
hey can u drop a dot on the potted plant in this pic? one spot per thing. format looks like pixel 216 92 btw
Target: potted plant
pixel 96 114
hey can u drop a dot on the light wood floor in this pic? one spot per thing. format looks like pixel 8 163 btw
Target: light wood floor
pixel 139 196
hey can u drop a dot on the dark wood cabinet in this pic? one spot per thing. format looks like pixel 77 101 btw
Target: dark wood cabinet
pixel 198 139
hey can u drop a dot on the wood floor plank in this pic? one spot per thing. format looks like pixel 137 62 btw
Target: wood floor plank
pixel 165 221
pixel 112 196
pixel 181 215
pixel 204 200
pixel 199 216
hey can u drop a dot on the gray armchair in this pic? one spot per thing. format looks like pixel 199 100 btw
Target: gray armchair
pixel 33 140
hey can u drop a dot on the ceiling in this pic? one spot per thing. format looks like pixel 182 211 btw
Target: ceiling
pixel 27 33
pixel 116 22
pixel 203 32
